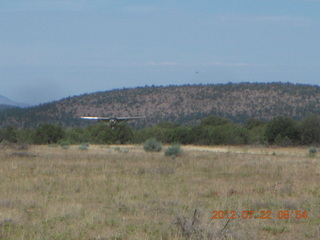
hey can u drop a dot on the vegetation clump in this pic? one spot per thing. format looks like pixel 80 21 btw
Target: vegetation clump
pixel 212 130
pixel 48 134
pixel 152 145
pixel 121 150
pixel 65 144
pixel 84 146
pixel 313 151
pixel 173 151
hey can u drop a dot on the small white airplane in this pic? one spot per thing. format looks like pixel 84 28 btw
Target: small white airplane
pixel 113 121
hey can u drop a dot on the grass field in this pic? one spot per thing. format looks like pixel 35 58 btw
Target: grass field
pixel 122 192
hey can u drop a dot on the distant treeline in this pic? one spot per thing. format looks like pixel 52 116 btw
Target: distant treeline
pixel 213 130
pixel 185 104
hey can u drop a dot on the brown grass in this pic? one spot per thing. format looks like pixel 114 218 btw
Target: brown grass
pixel 122 192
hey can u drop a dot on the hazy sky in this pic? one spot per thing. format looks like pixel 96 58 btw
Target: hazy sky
pixel 51 49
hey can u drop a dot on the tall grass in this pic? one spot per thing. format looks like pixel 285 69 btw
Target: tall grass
pixel 51 193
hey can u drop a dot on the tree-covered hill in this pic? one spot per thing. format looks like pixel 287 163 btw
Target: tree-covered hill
pixel 186 104
pixel 4 106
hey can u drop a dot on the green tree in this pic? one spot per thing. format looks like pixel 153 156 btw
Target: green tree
pixel 215 121
pixel 229 134
pixel 123 134
pixel 168 125
pixel 310 129
pixel 48 134
pixel 101 133
pixel 200 135
pixel 254 123
pixel 77 136
pixel 256 135
pixel 25 136
pixel 160 134
pixel 10 134
pixel 180 135
pixel 282 128
pixel 256 129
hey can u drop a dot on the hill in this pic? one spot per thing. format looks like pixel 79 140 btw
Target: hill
pixel 4 106
pixel 186 104
pixel 7 103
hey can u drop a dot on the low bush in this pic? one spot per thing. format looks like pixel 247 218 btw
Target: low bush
pixel 313 151
pixel 65 144
pixel 173 151
pixel 121 150
pixel 152 145
pixel 84 146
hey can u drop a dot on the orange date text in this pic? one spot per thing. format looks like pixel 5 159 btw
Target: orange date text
pixel 262 214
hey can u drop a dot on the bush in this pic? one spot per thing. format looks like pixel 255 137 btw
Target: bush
pixel 313 151
pixel 310 130
pixel 282 129
pixel 10 134
pixel 65 144
pixel 84 146
pixel 48 134
pixel 152 145
pixel 173 151
pixel 121 150
pixel 283 141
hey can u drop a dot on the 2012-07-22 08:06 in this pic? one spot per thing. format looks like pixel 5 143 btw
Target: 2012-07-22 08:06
pixel 262 214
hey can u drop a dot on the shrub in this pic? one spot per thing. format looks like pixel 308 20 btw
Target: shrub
pixel 152 145
pixel 283 141
pixel 121 150
pixel 310 130
pixel 10 134
pixel 84 146
pixel 173 151
pixel 313 151
pixel 48 134
pixel 65 144
pixel 282 129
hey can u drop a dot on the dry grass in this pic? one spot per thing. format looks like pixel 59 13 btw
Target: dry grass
pixel 122 192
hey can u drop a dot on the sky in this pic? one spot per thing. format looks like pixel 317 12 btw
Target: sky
pixel 52 49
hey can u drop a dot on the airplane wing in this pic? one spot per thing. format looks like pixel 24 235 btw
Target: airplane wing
pixel 127 118
pixel 97 118
pixel 112 120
